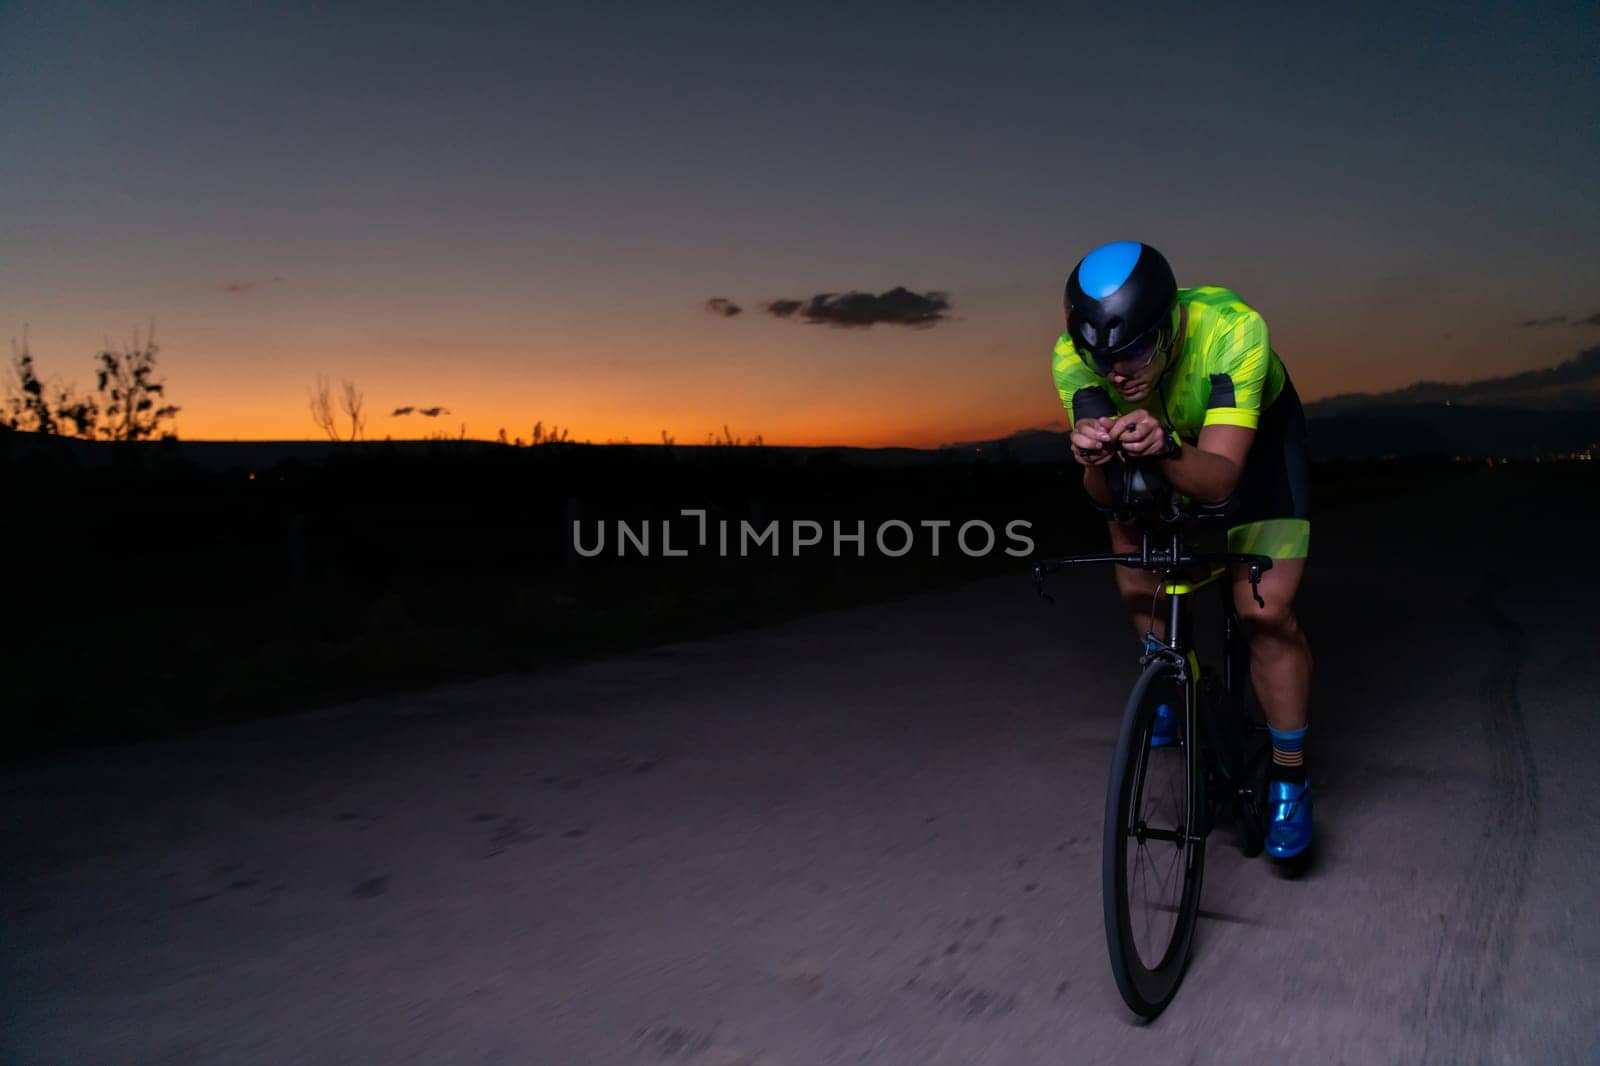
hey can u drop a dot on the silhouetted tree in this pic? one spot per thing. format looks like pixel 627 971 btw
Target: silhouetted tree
pixel 322 412
pixel 129 394
pixel 326 415
pixel 351 403
pixel 728 440
pixel 82 413
pixel 26 408
pixel 553 435
pixel 125 406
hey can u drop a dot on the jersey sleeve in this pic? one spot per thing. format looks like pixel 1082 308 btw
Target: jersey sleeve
pixel 1080 390
pixel 1237 365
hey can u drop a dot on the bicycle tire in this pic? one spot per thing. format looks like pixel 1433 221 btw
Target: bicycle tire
pixel 1148 978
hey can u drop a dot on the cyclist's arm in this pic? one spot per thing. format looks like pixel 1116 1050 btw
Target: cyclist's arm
pixel 1237 364
pixel 1210 470
pixel 1096 428
pixel 1094 483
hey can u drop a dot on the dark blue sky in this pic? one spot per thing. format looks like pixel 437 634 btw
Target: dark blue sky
pixel 519 214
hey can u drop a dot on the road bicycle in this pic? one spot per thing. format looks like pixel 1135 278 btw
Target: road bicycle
pixel 1163 799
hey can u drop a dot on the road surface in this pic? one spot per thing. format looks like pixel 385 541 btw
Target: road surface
pixel 867 836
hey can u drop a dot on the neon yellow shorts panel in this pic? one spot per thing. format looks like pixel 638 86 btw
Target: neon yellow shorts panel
pixel 1279 538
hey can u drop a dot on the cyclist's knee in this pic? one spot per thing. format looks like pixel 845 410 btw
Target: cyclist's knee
pixel 1124 538
pixel 1276 618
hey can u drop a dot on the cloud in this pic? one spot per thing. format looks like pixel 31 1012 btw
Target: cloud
pixel 239 287
pixel 425 412
pixel 1581 373
pixel 719 305
pixel 1560 320
pixel 398 411
pixel 859 310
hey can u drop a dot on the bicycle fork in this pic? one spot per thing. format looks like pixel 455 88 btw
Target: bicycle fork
pixel 1186 666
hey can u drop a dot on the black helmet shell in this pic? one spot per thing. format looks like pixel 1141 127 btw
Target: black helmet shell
pixel 1116 295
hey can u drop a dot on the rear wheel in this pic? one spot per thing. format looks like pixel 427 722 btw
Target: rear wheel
pixel 1153 855
pixel 1241 716
pixel 1252 822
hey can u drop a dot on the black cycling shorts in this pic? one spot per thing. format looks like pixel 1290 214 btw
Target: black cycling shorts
pixel 1277 475
pixel 1270 513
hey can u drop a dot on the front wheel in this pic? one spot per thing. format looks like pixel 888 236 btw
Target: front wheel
pixel 1153 854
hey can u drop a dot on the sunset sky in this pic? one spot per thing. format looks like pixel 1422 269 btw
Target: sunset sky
pixel 519 215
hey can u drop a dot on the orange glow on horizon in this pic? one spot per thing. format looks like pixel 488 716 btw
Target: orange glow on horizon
pixel 790 388
pixel 923 394
pixel 821 434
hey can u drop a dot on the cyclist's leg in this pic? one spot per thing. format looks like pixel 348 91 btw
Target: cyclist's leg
pixel 1274 518
pixel 1138 587
pixel 1280 654
pixel 1280 669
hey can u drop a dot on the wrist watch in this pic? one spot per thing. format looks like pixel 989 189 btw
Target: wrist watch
pixel 1172 446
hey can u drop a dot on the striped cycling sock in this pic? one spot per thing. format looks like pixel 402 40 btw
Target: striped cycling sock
pixel 1288 754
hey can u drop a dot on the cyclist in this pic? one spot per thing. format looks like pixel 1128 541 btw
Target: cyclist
pixel 1185 377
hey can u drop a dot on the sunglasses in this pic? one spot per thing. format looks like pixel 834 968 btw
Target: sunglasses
pixel 1133 359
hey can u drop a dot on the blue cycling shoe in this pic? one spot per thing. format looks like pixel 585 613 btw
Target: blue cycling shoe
pixel 1288 818
pixel 1165 729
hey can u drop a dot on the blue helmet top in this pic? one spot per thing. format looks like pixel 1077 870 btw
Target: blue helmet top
pixel 1103 270
pixel 1116 296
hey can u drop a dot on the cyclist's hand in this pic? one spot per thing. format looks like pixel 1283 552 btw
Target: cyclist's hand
pixel 1139 434
pixel 1091 440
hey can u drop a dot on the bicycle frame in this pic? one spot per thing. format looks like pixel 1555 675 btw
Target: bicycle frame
pixel 1215 756
pixel 1183 573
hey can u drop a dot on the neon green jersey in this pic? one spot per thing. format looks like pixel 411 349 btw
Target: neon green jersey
pixel 1226 373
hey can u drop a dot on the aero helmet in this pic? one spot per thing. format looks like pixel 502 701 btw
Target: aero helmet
pixel 1120 298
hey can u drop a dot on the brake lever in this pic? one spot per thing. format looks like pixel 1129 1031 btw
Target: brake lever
pixel 1255 584
pixel 1038 584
